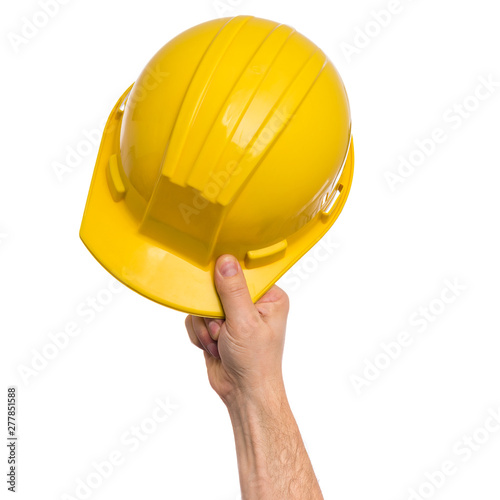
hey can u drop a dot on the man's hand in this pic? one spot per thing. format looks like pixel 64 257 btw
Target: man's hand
pixel 244 352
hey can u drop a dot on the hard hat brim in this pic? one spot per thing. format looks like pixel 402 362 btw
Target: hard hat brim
pixel 110 233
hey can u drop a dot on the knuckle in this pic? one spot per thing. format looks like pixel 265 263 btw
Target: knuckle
pixel 193 339
pixel 280 302
pixel 248 324
pixel 236 288
pixel 199 335
pixel 284 300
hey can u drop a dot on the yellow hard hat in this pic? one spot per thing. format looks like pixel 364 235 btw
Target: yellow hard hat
pixel 236 138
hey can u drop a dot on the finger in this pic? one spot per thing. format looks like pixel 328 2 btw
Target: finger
pixel 274 303
pixel 190 330
pixel 274 294
pixel 213 327
pixel 203 336
pixel 232 289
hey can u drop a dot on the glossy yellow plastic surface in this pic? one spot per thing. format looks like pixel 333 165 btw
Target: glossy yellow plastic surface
pixel 235 139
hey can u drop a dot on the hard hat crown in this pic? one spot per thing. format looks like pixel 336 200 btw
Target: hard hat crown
pixel 232 140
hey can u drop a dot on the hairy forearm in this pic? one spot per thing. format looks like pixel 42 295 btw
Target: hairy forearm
pixel 272 460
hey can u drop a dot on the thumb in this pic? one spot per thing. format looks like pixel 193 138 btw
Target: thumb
pixel 232 289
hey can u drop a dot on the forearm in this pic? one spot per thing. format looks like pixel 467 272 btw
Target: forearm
pixel 272 459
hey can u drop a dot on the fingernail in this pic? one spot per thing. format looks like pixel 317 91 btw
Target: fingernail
pixel 229 268
pixel 212 349
pixel 213 328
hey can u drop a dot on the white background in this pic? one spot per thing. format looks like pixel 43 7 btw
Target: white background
pixel 391 253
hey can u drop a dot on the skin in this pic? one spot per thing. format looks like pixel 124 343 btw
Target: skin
pixel 243 354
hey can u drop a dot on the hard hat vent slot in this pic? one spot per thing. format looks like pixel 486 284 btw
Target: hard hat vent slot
pixel 265 256
pixel 115 181
pixel 123 103
pixel 330 199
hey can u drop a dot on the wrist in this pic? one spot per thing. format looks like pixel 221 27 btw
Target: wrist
pixel 255 416
pixel 267 394
pixel 270 451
